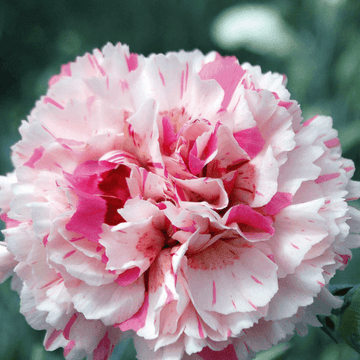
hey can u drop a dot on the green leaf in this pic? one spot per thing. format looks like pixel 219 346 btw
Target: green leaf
pixel 340 289
pixel 330 326
pixel 129 351
pixel 350 319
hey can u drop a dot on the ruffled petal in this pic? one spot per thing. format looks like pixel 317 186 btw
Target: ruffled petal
pixel 141 240
pixel 214 290
pixel 110 303
pixel 7 263
pixel 178 198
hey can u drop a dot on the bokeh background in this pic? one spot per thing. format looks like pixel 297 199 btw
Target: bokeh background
pixel 316 43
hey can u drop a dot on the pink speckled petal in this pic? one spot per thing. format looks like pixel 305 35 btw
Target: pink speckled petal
pixel 210 191
pixel 293 239
pixel 212 276
pixel 142 239
pixel 144 134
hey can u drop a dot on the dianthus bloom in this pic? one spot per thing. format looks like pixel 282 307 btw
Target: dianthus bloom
pixel 178 198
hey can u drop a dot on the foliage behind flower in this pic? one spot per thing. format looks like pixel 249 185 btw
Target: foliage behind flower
pixel 177 198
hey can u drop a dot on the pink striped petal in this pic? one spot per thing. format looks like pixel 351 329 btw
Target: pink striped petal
pixel 65 71
pixel 89 217
pixel 67 349
pixel 104 349
pixel 195 164
pixel 49 100
pixel 36 156
pixel 326 177
pixel 137 321
pixel 132 62
pixel 128 276
pixel 332 143
pixel 53 336
pixel 228 353
pixel 250 140
pixel 278 202
pixel 68 326
pixel 309 121
pixel 207 190
pixel 227 72
pixel 245 215
pixel 169 134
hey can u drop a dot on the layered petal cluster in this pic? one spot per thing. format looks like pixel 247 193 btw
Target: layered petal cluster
pixel 176 198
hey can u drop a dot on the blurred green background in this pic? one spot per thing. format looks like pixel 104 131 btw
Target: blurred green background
pixel 316 43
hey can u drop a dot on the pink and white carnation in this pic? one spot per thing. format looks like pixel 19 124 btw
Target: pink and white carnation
pixel 176 198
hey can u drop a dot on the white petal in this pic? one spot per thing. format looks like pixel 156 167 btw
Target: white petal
pixel 266 177
pixel 110 303
pixel 7 262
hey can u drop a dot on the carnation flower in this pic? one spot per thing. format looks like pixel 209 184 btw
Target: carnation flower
pixel 176 198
